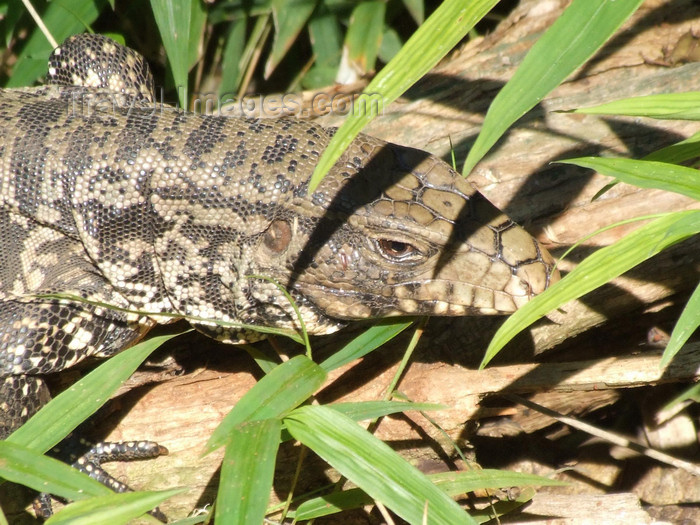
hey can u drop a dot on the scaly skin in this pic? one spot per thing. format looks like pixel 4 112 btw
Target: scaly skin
pixel 162 212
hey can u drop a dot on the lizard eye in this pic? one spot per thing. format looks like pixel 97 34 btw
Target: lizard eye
pixel 394 250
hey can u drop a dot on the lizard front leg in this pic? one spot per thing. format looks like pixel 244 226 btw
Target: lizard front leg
pixel 39 337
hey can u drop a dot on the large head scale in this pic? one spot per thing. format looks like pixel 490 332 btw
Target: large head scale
pixel 395 231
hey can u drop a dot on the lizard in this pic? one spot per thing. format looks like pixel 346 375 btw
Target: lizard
pixel 109 199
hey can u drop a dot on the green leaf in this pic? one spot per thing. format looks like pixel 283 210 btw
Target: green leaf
pixel 687 323
pixel 359 411
pixel 645 173
pixel 578 33
pixel 326 37
pixel 597 269
pixel 391 45
pixel 679 152
pixel 443 30
pixel 326 42
pixel 290 18
pixel 373 466
pixel 63 18
pixel 452 483
pixel 61 415
pixel 364 343
pixel 231 59
pixel 10 13
pixel 417 10
pixel 32 469
pixel 364 35
pixel 673 106
pixel 264 358
pixel 247 472
pixel 284 388
pixel 180 25
pixel 332 504
pixel 111 509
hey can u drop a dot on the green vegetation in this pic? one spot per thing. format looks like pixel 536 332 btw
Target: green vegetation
pixel 251 41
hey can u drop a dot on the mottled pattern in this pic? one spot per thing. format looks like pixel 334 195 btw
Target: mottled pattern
pixel 150 209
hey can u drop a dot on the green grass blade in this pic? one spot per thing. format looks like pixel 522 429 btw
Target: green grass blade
pixel 452 483
pixel 180 25
pixel 10 12
pixel 332 504
pixel 443 30
pixel 645 173
pixel 692 394
pixel 264 358
pixel 456 483
pixel 63 18
pixel 283 389
pixel 327 45
pixel 202 517
pixel 597 269
pixel 687 323
pixel 373 466
pixel 32 469
pixel 247 472
pixel 364 343
pixel 679 152
pixel 673 106
pixel 416 8
pixel 358 411
pixel 391 45
pixel 364 35
pixel 290 18
pixel 578 33
pixel 111 509
pixel 73 406
pixel 231 59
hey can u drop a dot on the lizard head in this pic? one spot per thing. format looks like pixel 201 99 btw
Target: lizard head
pixel 394 231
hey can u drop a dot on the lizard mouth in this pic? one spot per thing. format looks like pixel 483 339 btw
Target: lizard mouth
pixel 432 297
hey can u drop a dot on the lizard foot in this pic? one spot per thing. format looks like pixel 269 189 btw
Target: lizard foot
pixel 91 462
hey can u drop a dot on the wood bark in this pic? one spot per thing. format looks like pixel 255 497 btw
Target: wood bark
pixel 553 201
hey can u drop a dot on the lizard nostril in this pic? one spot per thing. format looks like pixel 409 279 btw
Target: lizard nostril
pixel 278 236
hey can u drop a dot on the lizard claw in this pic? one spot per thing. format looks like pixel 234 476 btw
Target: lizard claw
pixel 91 462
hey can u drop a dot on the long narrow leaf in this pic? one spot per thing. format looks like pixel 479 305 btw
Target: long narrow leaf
pixel 687 323
pixel 326 43
pixel 358 411
pixel 679 106
pixel 364 343
pixel 290 18
pixel 645 173
pixel 63 18
pixel 452 483
pixel 284 388
pixel 597 269
pixel 32 469
pixel 679 152
pixel 373 466
pixel 364 36
pixel 247 472
pixel 73 406
pixel 443 30
pixel 180 25
pixel 578 33
pixel 111 509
